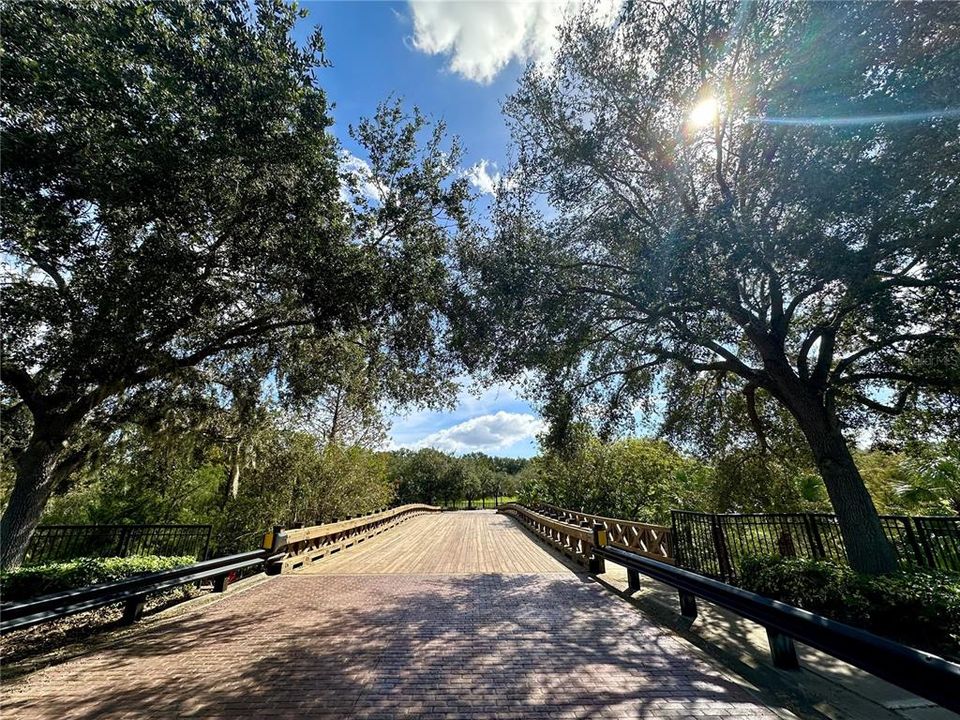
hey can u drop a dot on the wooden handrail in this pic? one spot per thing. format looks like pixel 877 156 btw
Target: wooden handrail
pixel 652 541
pixel 574 541
pixel 295 548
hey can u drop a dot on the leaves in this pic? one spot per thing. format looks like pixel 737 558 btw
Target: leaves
pixel 175 214
pixel 791 245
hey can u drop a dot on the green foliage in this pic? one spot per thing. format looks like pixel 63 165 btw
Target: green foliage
pixel 431 476
pixel 920 608
pixel 27 582
pixel 303 483
pixel 145 475
pixel 424 476
pixel 887 476
pixel 645 479
pixel 782 259
pixel 756 482
pixel 180 225
pixel 635 479
pixel 933 482
pixel 300 481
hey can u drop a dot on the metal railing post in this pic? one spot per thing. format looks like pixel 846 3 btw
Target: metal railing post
pixel 688 605
pixel 720 545
pixel 782 650
pixel 122 542
pixel 206 544
pixel 221 583
pixel 133 609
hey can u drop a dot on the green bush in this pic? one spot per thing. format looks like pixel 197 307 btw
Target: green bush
pixel 920 608
pixel 27 582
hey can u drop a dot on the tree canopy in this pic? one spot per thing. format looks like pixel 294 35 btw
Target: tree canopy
pixel 178 215
pixel 760 196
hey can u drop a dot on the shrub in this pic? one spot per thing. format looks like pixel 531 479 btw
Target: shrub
pixel 27 582
pixel 920 608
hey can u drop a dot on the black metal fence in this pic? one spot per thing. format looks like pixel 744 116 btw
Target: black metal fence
pixel 55 543
pixel 714 545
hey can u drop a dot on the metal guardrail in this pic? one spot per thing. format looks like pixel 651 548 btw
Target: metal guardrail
pixel 924 674
pixel 132 592
pixel 282 550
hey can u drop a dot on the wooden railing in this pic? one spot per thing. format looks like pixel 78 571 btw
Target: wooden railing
pixel 294 548
pixel 573 540
pixel 652 541
pixel 926 675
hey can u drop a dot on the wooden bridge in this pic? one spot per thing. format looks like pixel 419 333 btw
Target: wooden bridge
pixel 433 615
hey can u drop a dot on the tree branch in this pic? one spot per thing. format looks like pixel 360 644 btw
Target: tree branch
pixel 894 410
pixel 750 394
pixel 849 360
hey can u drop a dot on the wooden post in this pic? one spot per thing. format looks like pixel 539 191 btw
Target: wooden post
pixel 133 609
pixel 597 564
pixel 688 605
pixel 782 650
pixel 633 580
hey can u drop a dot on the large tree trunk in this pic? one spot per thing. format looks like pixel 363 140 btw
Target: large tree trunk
pixel 35 481
pixel 868 549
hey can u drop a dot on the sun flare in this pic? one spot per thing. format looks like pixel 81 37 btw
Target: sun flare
pixel 704 113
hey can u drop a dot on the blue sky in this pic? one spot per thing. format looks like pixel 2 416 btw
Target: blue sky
pixel 456 61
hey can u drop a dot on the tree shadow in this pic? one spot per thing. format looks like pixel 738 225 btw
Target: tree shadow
pixel 741 646
pixel 386 646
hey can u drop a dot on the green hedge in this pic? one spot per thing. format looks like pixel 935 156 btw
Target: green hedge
pixel 920 608
pixel 28 582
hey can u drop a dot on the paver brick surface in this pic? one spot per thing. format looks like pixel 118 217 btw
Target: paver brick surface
pixel 395 645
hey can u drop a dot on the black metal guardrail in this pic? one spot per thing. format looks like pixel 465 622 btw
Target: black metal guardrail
pixel 929 676
pixel 55 543
pixel 132 592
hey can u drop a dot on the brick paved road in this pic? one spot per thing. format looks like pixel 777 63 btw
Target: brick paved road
pixel 435 646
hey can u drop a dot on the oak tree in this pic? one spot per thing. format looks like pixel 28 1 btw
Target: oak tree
pixel 758 197
pixel 174 202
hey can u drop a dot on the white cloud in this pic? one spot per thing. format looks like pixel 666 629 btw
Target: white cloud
pixel 485 177
pixel 481 38
pixel 496 431
pixel 357 168
pixel 480 177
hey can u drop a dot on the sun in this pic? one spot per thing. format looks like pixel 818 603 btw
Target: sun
pixel 704 113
